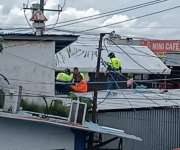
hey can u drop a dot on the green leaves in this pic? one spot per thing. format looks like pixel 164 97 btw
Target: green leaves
pixel 86 100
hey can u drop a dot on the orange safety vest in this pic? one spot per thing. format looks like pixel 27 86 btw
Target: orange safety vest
pixel 80 87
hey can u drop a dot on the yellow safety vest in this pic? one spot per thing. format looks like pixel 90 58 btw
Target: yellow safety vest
pixel 115 63
pixel 64 77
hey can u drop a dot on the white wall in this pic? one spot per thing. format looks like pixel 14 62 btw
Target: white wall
pixel 26 60
pixel 26 135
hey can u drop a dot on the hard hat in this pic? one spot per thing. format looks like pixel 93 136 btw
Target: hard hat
pixel 111 55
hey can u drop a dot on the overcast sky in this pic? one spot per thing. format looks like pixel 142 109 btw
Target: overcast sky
pixel 11 15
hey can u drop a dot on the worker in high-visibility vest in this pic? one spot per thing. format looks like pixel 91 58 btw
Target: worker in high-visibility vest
pixel 113 71
pixel 65 76
pixel 80 84
pixel 115 63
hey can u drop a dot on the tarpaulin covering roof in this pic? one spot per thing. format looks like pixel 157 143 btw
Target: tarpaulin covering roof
pixel 137 59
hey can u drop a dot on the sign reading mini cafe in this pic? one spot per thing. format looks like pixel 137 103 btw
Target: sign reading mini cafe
pixel 162 46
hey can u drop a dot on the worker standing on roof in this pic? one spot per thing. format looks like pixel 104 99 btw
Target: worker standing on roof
pixel 114 64
pixel 65 78
pixel 80 84
pixel 113 70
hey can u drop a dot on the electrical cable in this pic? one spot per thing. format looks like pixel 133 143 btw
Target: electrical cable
pixel 131 57
pixel 135 18
pixel 23 58
pixel 27 17
pixel 25 91
pixel 153 13
pixel 31 61
pixel 98 98
pixel 110 13
pixel 5 78
pixel 135 82
pixel 148 55
pixel 135 62
pixel 59 12
pixel 135 54
pixel 114 82
pixel 109 91
pixel 94 82
pixel 134 6
pixel 111 98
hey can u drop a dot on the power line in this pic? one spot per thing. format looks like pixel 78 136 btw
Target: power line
pixel 109 13
pixel 148 55
pixel 23 58
pixel 10 87
pixel 93 82
pixel 31 61
pixel 131 57
pixel 29 24
pixel 138 17
pixel 111 98
pixel 133 99
pixel 125 77
pixel 88 17
pixel 59 12
pixel 139 103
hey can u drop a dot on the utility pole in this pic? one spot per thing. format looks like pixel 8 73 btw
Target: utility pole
pixel 94 108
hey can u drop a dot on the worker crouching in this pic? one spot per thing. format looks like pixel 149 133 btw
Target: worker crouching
pixel 65 79
pixel 80 84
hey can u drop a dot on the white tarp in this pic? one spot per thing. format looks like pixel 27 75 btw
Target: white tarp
pixel 138 59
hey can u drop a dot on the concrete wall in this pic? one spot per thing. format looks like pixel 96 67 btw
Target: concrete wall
pixel 27 135
pixel 159 128
pixel 24 63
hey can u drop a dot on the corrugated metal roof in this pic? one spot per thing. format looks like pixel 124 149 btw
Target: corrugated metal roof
pixel 88 126
pixel 138 58
pixel 135 98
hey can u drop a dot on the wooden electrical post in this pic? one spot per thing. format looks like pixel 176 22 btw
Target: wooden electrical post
pixel 94 108
pixel 94 115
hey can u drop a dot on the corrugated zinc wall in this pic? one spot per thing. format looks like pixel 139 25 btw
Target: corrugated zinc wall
pixel 159 128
